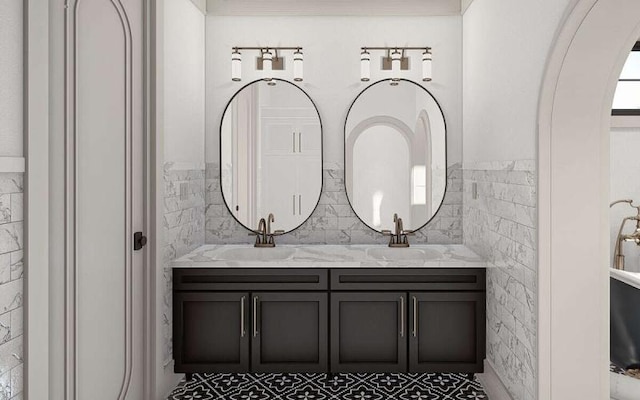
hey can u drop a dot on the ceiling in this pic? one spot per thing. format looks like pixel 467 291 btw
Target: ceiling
pixel 337 7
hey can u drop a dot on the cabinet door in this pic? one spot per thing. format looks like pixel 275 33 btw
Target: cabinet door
pixel 368 332
pixel 210 332
pixel 447 332
pixel 289 332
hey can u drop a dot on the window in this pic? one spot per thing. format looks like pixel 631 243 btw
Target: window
pixel 627 98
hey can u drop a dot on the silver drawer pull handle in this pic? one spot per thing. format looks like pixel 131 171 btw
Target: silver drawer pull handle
pixel 242 330
pixel 255 316
pixel 299 142
pixel 401 316
pixel 293 140
pixel 415 316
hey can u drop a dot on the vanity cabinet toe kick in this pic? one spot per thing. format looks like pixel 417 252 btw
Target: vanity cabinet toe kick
pixel 328 320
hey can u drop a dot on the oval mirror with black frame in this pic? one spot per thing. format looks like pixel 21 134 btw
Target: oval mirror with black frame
pixel 271 155
pixel 395 155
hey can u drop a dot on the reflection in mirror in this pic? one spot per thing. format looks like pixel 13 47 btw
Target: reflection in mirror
pixel 271 155
pixel 395 155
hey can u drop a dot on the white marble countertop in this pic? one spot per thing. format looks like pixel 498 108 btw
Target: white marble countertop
pixel 330 256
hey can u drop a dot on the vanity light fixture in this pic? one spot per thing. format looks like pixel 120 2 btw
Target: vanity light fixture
pixel 426 66
pixel 268 60
pixel 396 61
pixel 267 66
pixel 297 66
pixel 365 66
pixel 236 66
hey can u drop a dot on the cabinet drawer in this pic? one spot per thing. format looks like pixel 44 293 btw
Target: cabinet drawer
pixel 233 279
pixel 408 279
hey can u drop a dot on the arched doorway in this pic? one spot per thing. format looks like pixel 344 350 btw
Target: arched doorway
pixel 573 162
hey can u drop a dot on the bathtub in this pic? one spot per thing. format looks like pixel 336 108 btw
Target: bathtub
pixel 625 332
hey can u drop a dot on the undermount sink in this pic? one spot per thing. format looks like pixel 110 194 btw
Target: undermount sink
pixel 257 254
pixel 400 254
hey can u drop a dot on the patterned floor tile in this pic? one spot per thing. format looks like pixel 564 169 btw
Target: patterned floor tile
pixel 380 386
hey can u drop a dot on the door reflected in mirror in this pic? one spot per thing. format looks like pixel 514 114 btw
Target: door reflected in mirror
pixel 395 155
pixel 271 155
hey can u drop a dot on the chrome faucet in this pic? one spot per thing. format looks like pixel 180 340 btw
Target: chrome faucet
pixel 618 257
pixel 264 236
pixel 399 237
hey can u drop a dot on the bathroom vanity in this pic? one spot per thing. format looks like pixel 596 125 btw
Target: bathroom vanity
pixel 329 309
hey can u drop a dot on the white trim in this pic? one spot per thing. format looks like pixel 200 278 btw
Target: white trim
pixel 573 185
pixel 200 5
pixel 334 8
pixel 625 121
pixel 492 384
pixel 164 379
pixel 464 5
pixel 12 164
pixel 36 329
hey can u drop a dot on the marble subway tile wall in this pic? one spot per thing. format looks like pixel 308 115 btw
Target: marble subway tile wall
pixel 183 227
pixel 500 225
pixel 11 285
pixel 333 221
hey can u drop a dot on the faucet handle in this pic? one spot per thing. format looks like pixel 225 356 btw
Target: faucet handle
pixel 277 232
pixel 386 232
pixel 408 233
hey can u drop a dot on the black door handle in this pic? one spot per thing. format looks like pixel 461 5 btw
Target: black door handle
pixel 139 240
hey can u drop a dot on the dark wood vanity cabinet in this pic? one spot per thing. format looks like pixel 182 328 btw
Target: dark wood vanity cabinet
pixel 289 332
pixel 368 332
pixel 447 331
pixel 320 320
pixel 210 331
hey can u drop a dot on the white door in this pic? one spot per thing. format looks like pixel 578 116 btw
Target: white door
pixel 105 179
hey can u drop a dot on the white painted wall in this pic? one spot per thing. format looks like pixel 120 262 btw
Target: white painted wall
pixel 184 82
pixel 332 65
pixel 11 78
pixel 505 44
pixel 625 184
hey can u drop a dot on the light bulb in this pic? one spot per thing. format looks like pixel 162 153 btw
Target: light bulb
pixel 396 60
pixel 365 66
pixel 236 66
pixel 297 66
pixel 427 73
pixel 267 62
pixel 267 67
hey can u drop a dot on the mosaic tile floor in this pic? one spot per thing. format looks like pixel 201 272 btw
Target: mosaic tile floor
pixel 318 387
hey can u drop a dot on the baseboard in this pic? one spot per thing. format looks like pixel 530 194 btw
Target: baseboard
pixel 169 381
pixel 493 386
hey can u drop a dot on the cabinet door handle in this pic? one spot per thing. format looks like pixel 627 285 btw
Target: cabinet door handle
pixel 293 141
pixel 299 142
pixel 415 316
pixel 255 316
pixel 293 204
pixel 242 330
pixel 401 316
pixel 299 204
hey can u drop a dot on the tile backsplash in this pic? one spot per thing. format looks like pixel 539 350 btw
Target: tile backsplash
pixel 183 228
pixel 500 225
pixel 11 285
pixel 333 221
